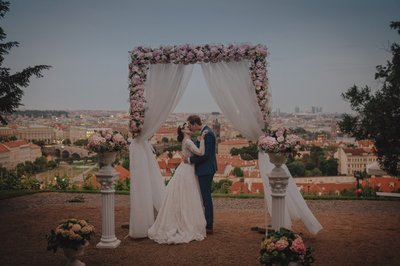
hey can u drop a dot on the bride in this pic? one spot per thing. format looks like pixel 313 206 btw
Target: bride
pixel 181 216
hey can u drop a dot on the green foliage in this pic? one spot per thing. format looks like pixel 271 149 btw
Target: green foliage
pixel 296 168
pixel 165 140
pixel 9 180
pixel 246 153
pixel 40 143
pixel 123 185
pixel 314 164
pixel 61 183
pixel 81 142
pixel 66 142
pixel 11 84
pixel 377 114
pixel 30 183
pixel 176 147
pixel 221 186
pixel 52 164
pixel 237 171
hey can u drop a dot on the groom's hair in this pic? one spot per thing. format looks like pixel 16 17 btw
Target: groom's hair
pixel 194 119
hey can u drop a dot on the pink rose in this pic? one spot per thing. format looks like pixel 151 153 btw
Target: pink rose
pixel 281 244
pixel 298 246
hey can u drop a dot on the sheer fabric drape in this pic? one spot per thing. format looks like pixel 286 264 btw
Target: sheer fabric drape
pixel 164 87
pixel 231 86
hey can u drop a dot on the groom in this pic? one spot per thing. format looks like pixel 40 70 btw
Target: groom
pixel 205 168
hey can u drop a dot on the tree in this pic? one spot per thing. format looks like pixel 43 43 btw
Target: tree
pixel 237 171
pixel 296 168
pixel 378 114
pixel 81 142
pixel 66 142
pixel 11 84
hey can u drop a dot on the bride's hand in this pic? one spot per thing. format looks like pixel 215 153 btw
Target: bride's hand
pixel 203 134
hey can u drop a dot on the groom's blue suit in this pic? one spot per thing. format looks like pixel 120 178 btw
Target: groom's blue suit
pixel 205 168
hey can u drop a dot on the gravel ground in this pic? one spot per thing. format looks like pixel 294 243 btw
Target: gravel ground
pixel 355 233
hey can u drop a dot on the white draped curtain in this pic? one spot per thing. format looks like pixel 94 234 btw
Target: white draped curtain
pixel 164 87
pixel 231 86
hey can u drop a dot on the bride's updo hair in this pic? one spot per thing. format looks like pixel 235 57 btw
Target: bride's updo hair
pixel 180 132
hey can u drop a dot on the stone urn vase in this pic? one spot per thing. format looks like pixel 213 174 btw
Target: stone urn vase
pixel 106 159
pixel 73 255
pixel 278 158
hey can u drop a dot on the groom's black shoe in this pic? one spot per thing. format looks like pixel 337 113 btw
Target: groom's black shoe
pixel 209 231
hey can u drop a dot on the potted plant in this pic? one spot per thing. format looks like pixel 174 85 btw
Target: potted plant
pixel 72 235
pixel 106 141
pixel 281 140
pixel 283 248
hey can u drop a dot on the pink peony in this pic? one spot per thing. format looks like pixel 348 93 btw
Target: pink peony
pixel 298 245
pixel 281 244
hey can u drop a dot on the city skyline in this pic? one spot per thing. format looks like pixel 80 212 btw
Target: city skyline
pixel 316 50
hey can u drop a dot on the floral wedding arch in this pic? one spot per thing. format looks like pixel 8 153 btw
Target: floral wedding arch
pixel 237 79
pixel 190 54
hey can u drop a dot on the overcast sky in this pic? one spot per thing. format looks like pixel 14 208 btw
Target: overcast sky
pixel 317 49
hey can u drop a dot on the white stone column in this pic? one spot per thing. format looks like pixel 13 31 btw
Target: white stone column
pixel 278 180
pixel 107 177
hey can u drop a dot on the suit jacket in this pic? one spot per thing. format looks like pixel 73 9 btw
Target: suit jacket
pixel 206 164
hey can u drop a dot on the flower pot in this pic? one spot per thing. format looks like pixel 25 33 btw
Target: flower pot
pixel 107 158
pixel 278 158
pixel 73 255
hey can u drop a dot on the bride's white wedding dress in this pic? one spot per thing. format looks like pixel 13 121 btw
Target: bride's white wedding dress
pixel 181 216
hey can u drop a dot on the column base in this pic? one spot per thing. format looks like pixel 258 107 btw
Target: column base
pixel 113 244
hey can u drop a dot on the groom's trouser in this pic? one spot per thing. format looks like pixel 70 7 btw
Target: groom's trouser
pixel 205 182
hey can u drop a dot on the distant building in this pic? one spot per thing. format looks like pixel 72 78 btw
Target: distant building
pixel 14 152
pixel 34 132
pixel 165 132
pixel 226 146
pixel 351 160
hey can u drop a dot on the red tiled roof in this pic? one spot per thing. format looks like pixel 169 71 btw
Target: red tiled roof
pixel 365 143
pixel 358 151
pixel 33 146
pixel 174 161
pixel 257 187
pixel 162 164
pixel 3 148
pixel 239 187
pixel 235 142
pixel 251 174
pixel 15 144
pixel 166 130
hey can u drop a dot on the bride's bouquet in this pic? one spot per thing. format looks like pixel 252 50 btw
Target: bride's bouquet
pixel 106 141
pixel 281 140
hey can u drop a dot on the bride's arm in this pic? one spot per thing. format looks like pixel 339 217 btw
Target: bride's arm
pixel 193 148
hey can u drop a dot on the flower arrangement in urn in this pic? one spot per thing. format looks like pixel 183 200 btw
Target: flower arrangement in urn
pixel 284 247
pixel 106 141
pixel 281 140
pixel 71 233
